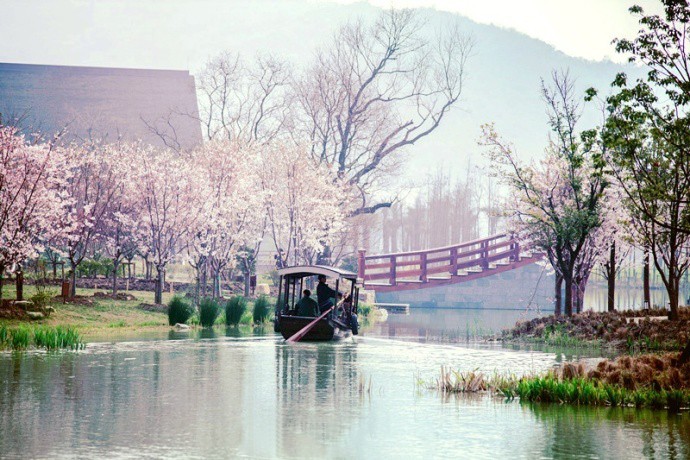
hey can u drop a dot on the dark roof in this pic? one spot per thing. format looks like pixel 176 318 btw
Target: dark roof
pixel 301 271
pixel 100 102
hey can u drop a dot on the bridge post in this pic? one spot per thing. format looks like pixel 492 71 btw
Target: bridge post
pixel 516 252
pixel 453 261
pixel 361 264
pixel 484 255
pixel 422 266
pixel 391 278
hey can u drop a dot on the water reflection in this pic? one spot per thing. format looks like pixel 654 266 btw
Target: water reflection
pixel 245 395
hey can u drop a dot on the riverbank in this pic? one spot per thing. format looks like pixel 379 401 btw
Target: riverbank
pixel 630 331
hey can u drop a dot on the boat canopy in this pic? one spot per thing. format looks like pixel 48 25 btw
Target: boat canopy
pixel 300 271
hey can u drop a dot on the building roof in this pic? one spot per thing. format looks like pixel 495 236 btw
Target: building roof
pixel 101 103
pixel 301 271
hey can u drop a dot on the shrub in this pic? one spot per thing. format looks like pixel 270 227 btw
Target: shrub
pixel 262 310
pixel 208 312
pixel 41 299
pixel 234 310
pixel 364 309
pixel 179 311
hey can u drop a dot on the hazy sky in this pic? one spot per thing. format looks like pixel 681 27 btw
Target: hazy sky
pixel 184 33
pixel 582 28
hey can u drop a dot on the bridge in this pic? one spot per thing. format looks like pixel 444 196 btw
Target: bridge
pixel 443 266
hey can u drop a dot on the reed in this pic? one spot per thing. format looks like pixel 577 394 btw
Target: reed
pixel 54 338
pixel 179 311
pixel 20 338
pixel 262 310
pixel 208 312
pixel 234 310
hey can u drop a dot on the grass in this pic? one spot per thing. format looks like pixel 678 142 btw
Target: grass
pixel 234 310
pixel 262 310
pixel 50 338
pixel 94 319
pixel 208 312
pixel 179 311
pixel 662 388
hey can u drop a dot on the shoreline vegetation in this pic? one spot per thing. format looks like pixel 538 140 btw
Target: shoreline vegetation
pixel 95 315
pixel 644 381
pixel 633 331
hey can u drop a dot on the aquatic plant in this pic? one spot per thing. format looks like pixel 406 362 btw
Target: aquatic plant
pixel 234 309
pixel 208 312
pixel 53 338
pixel 20 338
pixel 179 311
pixel 262 310
pixel 4 336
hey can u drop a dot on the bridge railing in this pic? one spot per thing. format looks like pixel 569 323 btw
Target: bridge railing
pixel 417 266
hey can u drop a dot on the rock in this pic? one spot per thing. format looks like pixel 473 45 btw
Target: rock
pixel 181 327
pixel 23 304
pixel 35 315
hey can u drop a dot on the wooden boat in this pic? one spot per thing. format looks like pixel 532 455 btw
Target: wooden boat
pixel 341 322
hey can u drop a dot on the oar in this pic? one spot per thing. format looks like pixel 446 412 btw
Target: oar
pixel 302 332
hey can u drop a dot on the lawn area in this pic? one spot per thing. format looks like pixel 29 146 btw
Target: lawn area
pixel 101 315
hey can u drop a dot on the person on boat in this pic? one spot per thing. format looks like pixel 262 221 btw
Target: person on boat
pixel 307 306
pixel 324 294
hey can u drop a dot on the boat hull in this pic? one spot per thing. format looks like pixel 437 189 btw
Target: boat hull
pixel 324 330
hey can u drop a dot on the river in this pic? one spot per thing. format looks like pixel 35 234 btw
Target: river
pixel 223 394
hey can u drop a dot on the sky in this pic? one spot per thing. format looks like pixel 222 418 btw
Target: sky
pixel 184 33
pixel 581 28
pixel 503 77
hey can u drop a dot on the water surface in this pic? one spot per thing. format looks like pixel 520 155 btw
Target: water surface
pixel 218 396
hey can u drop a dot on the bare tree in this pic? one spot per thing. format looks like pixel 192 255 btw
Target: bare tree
pixel 374 91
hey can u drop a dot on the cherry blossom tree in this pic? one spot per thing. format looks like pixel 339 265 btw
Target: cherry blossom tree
pixel 97 174
pixel 234 216
pixel 31 197
pixel 170 192
pixel 307 205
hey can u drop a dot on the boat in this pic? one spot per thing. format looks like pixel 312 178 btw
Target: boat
pixel 340 322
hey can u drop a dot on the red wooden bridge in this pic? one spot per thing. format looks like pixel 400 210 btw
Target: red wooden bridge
pixel 447 265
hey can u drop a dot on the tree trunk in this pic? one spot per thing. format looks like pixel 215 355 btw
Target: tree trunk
pixel 247 279
pixel 2 272
pixel 647 296
pixel 674 285
pixel 568 295
pixel 20 283
pixel 196 288
pixel 558 295
pixel 204 281
pixel 73 276
pixel 158 295
pixel 116 266
pixel 611 273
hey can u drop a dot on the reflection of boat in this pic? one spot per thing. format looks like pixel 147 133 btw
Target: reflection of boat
pixel 340 322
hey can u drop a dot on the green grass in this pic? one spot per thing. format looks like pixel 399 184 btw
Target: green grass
pixel 234 310
pixel 585 391
pixel 209 310
pixel 120 323
pixel 262 310
pixel 549 388
pixel 179 311
pixel 50 338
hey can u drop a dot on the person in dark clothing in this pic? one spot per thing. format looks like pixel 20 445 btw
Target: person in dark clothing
pixel 324 294
pixel 307 306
